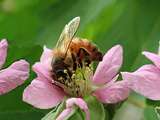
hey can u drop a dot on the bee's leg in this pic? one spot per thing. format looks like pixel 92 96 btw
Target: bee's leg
pixel 74 61
pixel 83 56
pixel 88 62
pixel 80 56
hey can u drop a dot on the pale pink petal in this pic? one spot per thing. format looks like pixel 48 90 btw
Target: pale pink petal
pixel 13 76
pixel 70 106
pixel 113 80
pixel 145 81
pixel 113 93
pixel 46 54
pixel 42 94
pixel 148 68
pixel 43 68
pixel 42 71
pixel 153 57
pixel 110 65
pixel 3 51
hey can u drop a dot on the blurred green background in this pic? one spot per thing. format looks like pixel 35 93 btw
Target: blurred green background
pixel 30 24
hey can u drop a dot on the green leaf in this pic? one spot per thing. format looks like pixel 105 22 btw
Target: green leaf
pixel 96 109
pixel 135 109
pixel 153 103
pixel 129 111
pixel 150 114
pixel 52 115
pixel 76 116
pixel 21 115
pixel 157 110
pixel 111 109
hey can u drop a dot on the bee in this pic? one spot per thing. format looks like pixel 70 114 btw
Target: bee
pixel 71 53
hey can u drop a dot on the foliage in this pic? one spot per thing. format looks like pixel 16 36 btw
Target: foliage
pixel 29 25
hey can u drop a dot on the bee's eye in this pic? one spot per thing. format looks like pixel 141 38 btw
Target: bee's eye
pixel 60 71
pixel 57 60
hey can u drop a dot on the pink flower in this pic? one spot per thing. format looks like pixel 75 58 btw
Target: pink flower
pixel 146 80
pixel 15 74
pixel 42 93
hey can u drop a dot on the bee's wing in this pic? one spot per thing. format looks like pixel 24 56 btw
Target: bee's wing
pixel 67 35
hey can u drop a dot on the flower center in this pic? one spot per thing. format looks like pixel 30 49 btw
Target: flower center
pixel 79 84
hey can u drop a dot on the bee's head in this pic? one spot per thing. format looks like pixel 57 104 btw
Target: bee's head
pixel 57 60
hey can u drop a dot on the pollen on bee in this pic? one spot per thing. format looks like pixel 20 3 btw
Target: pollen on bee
pixel 73 76
pixel 69 84
pixel 65 71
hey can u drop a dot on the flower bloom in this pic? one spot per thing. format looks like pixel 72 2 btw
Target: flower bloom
pixel 15 74
pixel 146 80
pixel 43 93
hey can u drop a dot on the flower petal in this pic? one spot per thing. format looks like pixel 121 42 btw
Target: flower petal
pixel 47 53
pixel 145 81
pixel 113 93
pixel 3 51
pixel 42 71
pixel 13 76
pixel 108 68
pixel 70 106
pixel 153 57
pixel 43 68
pixel 42 94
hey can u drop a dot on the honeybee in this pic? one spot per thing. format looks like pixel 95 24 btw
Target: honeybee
pixel 71 53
